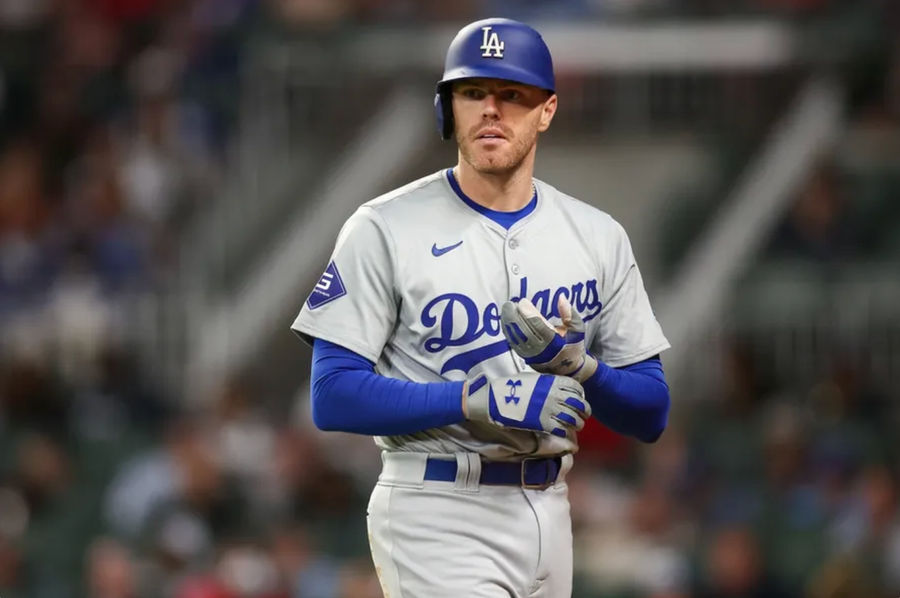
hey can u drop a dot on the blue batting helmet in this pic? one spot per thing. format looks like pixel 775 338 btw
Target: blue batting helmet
pixel 493 49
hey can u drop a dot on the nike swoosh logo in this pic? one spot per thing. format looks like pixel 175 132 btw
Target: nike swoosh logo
pixel 439 251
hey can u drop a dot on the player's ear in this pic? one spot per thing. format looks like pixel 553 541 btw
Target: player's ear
pixel 548 109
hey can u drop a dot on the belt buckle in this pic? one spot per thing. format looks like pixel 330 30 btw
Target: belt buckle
pixel 547 481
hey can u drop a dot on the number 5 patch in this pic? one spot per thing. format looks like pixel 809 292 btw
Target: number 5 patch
pixel 329 288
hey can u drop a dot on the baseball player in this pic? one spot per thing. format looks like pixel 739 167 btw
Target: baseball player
pixel 471 321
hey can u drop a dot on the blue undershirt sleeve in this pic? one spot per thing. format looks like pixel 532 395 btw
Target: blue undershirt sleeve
pixel 632 400
pixel 348 396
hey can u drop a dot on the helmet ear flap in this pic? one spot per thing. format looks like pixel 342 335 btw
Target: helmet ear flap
pixel 443 110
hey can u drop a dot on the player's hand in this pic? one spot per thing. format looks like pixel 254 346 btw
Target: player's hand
pixel 528 401
pixel 547 349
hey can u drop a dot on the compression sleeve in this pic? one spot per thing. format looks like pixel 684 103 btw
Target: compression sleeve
pixel 632 400
pixel 348 396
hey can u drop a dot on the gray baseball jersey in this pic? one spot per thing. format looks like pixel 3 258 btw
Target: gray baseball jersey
pixel 416 281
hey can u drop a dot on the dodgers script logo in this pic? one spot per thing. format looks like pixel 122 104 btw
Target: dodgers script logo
pixel 491 45
pixel 460 321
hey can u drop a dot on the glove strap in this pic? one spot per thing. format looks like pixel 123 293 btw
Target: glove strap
pixel 586 369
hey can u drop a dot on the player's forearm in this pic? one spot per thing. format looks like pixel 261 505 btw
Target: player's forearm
pixel 367 403
pixel 348 396
pixel 632 400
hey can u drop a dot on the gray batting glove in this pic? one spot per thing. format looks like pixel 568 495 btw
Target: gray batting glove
pixel 528 401
pixel 547 349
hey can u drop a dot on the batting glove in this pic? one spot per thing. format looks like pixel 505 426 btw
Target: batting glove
pixel 547 349
pixel 528 401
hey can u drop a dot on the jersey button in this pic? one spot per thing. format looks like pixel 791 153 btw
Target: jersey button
pixel 513 243
pixel 515 268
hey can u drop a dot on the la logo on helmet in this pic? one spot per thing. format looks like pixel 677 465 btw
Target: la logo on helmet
pixel 490 44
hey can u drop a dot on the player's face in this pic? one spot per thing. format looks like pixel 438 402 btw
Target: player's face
pixel 497 122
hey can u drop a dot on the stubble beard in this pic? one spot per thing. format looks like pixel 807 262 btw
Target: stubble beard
pixel 497 163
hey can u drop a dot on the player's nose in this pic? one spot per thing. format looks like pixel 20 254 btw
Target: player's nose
pixel 490 106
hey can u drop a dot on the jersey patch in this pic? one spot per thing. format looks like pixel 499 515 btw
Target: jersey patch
pixel 329 288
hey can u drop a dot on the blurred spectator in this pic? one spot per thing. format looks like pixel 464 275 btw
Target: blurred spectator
pixel 110 570
pixel 43 470
pixel 29 398
pixel 668 465
pixel 303 569
pixel 166 157
pixel 724 439
pixel 246 440
pixel 79 323
pixel 869 528
pixel 25 261
pixel 792 517
pixel 638 548
pixel 324 504
pixel 120 399
pixel 734 568
pixel 179 542
pixel 184 473
pixel 10 569
pixel 305 484
pixel 840 578
pixel 246 571
pixel 358 580
pixel 107 235
pixel 817 228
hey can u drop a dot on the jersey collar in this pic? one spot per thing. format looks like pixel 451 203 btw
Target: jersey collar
pixel 504 219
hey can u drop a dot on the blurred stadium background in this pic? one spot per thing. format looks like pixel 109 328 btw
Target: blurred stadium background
pixel 173 173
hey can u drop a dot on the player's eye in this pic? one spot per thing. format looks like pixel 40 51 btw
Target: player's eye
pixel 511 95
pixel 472 93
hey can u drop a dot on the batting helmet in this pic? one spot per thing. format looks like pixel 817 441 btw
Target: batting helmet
pixel 493 49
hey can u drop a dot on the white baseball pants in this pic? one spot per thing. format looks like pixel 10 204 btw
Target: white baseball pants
pixel 437 539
